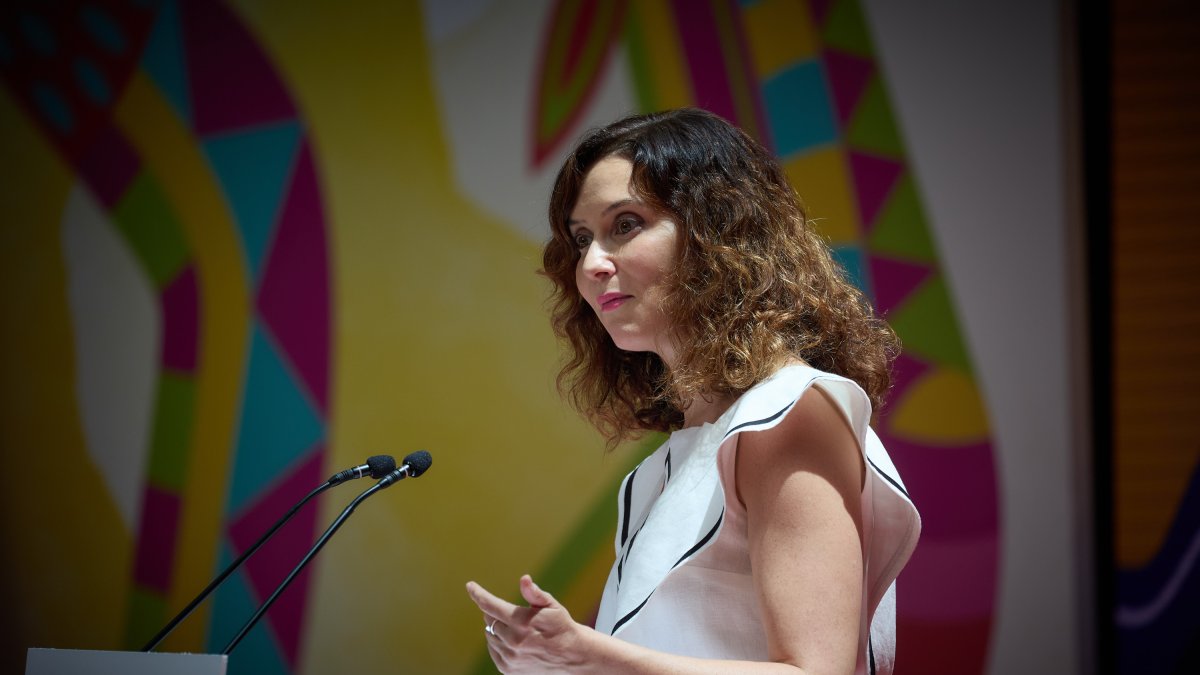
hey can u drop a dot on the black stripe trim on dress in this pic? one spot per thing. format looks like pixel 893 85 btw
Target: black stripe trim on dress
pixel 870 654
pixel 772 418
pixel 888 478
pixel 700 544
pixel 668 464
pixel 625 555
pixel 628 505
pixel 633 612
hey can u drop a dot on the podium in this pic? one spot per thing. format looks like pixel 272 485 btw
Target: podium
pixel 91 662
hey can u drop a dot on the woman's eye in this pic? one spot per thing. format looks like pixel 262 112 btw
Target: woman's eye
pixel 625 226
pixel 582 239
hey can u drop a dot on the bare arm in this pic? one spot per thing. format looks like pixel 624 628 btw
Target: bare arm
pixel 800 482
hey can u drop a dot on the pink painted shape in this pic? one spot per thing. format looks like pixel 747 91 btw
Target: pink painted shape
pixel 706 62
pixel 233 84
pixel 276 559
pixel 848 78
pixel 750 77
pixel 893 281
pixel 874 178
pixel 109 165
pixel 905 370
pixel 950 580
pixel 584 18
pixel 293 297
pixel 820 11
pixel 954 488
pixel 181 321
pixel 154 561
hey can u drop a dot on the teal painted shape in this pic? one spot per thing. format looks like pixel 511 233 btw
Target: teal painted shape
pixel 163 60
pixel 851 260
pixel 103 29
pixel 799 110
pixel 92 81
pixel 233 605
pixel 6 51
pixel 278 424
pixel 38 34
pixel 53 107
pixel 254 168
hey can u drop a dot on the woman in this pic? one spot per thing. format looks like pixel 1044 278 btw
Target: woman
pixel 765 535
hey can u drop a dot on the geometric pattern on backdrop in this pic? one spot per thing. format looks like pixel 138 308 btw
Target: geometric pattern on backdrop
pixel 177 123
pixel 802 78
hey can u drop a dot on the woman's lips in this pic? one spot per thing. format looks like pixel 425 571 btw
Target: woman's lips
pixel 610 301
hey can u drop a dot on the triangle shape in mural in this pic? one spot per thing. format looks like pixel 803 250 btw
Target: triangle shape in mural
pixel 253 167
pixel 873 128
pixel 845 28
pixel 874 178
pixel 893 280
pixel 278 423
pixel 293 299
pixel 925 323
pixel 276 559
pixel 162 59
pixel 900 230
pixel 232 604
pixel 848 77
pixel 232 83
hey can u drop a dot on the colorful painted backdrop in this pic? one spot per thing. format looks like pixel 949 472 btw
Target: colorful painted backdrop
pixel 248 245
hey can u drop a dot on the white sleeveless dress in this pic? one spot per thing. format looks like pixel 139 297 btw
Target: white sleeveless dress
pixel 681 582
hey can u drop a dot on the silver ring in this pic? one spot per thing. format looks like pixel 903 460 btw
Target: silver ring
pixel 490 629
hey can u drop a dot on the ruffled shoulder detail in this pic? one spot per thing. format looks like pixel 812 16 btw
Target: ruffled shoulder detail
pixel 672 506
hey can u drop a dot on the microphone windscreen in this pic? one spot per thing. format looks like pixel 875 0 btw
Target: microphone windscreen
pixel 381 465
pixel 418 463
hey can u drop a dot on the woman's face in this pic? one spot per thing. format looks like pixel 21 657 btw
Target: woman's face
pixel 626 250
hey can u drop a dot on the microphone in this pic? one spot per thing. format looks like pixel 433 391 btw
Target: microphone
pixel 377 466
pixel 414 465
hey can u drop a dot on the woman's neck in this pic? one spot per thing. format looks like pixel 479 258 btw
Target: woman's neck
pixel 705 409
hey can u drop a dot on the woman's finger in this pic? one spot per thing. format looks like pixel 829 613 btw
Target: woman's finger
pixel 534 595
pixel 491 605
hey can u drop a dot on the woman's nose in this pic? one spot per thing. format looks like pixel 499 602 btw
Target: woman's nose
pixel 597 263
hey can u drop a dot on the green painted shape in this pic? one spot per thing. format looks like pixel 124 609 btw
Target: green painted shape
pixel 558 101
pixel 926 326
pixel 873 127
pixel 639 66
pixel 900 229
pixel 846 29
pixel 596 530
pixel 146 615
pixel 147 221
pixel 171 439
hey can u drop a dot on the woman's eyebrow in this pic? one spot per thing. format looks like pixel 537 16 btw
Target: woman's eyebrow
pixel 572 222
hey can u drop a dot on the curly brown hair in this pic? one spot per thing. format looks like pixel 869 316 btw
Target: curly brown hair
pixel 755 285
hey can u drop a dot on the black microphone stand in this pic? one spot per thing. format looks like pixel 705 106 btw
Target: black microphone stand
pixel 398 474
pixel 229 570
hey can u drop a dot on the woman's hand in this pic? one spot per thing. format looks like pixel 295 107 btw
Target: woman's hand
pixel 539 638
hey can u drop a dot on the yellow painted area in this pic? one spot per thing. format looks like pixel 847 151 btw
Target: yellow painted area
pixel 172 155
pixel 823 180
pixel 943 407
pixel 441 342
pixel 668 73
pixel 65 568
pixel 780 33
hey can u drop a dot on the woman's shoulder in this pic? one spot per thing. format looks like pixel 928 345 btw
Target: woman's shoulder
pixel 769 402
